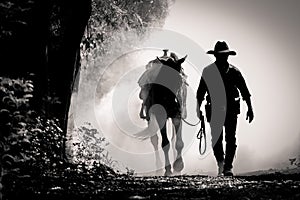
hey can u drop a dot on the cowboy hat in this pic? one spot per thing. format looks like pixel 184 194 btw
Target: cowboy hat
pixel 221 48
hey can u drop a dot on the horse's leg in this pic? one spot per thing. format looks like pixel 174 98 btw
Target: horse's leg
pixel 157 120
pixel 178 164
pixel 158 162
pixel 166 147
pixel 173 141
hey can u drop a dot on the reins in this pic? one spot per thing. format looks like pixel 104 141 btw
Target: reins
pixel 201 135
pixel 190 124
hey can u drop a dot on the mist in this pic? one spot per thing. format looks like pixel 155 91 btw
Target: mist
pixel 265 36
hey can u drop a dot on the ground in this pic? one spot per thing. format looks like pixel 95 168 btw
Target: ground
pixel 264 186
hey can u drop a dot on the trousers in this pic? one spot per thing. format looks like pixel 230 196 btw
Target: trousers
pixel 217 133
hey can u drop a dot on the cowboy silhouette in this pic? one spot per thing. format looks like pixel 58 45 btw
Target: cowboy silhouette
pixel 233 85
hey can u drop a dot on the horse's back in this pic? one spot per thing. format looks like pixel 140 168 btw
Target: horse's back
pixel 170 79
pixel 163 85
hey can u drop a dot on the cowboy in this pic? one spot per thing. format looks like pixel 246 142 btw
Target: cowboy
pixel 224 84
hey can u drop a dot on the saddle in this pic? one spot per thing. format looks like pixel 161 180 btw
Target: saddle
pixel 162 84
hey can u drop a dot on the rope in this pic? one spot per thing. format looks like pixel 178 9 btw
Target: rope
pixel 188 123
pixel 201 134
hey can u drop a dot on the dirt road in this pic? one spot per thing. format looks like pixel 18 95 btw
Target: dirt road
pixel 276 186
pixel 268 186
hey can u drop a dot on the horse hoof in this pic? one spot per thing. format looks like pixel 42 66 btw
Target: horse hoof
pixel 176 173
pixel 178 165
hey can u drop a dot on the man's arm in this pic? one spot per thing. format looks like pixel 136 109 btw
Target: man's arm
pixel 250 114
pixel 241 84
pixel 202 89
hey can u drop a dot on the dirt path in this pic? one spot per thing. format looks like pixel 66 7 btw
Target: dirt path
pixel 270 186
pixel 204 187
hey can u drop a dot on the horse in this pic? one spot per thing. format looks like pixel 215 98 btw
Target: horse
pixel 163 91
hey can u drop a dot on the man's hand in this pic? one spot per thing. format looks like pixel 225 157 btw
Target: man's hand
pixel 199 112
pixel 250 115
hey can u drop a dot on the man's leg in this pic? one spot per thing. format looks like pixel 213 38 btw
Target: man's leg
pixel 230 132
pixel 217 145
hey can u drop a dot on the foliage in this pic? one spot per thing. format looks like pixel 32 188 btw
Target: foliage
pixel 108 17
pixel 15 15
pixel 14 118
pixel 89 147
pixel 28 139
pixel 295 162
pixel 31 145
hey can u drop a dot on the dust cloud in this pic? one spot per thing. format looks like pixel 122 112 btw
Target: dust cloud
pixel 108 92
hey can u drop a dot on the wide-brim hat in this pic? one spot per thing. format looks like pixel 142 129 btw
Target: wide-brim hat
pixel 221 48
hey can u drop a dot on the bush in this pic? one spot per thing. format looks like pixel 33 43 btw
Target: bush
pixel 31 146
pixel 89 147
pixel 28 142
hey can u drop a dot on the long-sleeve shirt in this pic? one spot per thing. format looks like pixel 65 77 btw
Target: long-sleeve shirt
pixel 223 86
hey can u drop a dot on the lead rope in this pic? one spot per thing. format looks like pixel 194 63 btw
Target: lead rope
pixel 190 124
pixel 201 134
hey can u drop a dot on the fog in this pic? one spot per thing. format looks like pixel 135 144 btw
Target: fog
pixel 265 36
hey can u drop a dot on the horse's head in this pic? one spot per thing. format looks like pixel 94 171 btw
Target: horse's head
pixel 172 61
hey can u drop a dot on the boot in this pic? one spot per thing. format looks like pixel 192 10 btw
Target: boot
pixel 229 156
pixel 220 168
pixel 219 155
pixel 228 172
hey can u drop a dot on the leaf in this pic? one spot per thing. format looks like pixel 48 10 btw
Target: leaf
pixel 37 130
pixel 27 96
pixel 30 85
pixel 8 160
pixel 22 124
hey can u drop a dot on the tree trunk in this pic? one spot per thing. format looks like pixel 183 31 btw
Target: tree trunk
pixel 64 69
